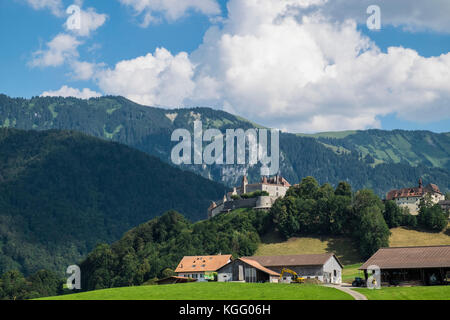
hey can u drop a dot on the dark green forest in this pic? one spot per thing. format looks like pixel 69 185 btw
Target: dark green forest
pixel 61 193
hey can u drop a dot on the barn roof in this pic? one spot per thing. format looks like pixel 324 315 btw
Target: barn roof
pixel 202 263
pixel 294 260
pixel 258 266
pixel 410 258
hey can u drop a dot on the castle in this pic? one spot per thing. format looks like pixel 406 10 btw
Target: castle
pixel 267 191
pixel 410 197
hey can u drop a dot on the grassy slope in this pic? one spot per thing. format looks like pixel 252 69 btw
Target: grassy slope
pixel 408 293
pixel 213 291
pixel 342 247
pixel 402 237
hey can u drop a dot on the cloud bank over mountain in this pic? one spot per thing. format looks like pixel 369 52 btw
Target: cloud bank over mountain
pixel 298 65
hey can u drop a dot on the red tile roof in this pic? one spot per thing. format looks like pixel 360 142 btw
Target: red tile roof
pixel 412 192
pixel 202 263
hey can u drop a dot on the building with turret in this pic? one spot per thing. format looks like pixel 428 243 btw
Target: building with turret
pixel 267 191
pixel 410 197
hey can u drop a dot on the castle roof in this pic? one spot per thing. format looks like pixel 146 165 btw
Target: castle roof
pixel 413 192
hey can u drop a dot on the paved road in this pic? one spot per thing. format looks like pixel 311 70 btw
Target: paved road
pixel 348 289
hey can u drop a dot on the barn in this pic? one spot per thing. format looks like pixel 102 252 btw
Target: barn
pixel 246 270
pixel 322 267
pixel 411 265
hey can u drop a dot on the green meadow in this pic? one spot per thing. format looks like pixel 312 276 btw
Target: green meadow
pixel 213 291
pixel 407 293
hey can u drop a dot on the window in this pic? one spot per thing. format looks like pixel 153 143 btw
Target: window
pixel 335 273
pixel 250 275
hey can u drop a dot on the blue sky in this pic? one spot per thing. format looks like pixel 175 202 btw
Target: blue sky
pixel 26 31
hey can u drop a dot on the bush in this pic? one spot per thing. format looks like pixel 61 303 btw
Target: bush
pixel 432 218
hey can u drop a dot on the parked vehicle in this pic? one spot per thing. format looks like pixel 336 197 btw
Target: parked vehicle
pixel 359 282
pixel 295 277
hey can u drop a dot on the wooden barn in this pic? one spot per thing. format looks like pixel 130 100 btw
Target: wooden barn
pixel 246 270
pixel 325 268
pixel 411 265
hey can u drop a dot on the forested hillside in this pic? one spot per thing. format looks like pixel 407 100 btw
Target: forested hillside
pixel 397 146
pixel 375 159
pixel 62 192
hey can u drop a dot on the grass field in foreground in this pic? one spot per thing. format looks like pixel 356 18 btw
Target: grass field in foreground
pixel 213 291
pixel 407 293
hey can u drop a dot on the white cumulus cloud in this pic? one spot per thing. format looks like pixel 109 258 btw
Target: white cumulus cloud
pixel 55 6
pixel 66 91
pixel 155 79
pixel 90 21
pixel 171 10
pixel 289 65
pixel 57 51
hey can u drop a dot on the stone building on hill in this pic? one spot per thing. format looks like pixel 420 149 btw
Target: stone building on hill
pixel 267 191
pixel 410 197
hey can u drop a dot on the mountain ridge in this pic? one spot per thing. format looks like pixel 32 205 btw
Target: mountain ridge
pixel 360 158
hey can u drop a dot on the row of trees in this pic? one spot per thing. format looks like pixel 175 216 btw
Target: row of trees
pixel 146 252
pixel 44 283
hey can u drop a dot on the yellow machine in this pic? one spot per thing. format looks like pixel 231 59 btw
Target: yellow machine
pixel 295 277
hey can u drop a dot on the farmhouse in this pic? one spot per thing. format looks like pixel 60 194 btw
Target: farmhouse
pixel 269 188
pixel 410 197
pixel 411 265
pixel 201 267
pixel 322 267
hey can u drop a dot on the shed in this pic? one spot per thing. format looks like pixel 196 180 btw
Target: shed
pixel 246 270
pixel 428 265
pixel 323 267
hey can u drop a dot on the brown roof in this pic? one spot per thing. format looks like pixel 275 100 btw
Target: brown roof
pixel 258 266
pixel 202 263
pixel 410 258
pixel 412 192
pixel 294 260
pixel 176 279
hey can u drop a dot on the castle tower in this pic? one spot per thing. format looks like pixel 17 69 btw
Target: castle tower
pixel 244 185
